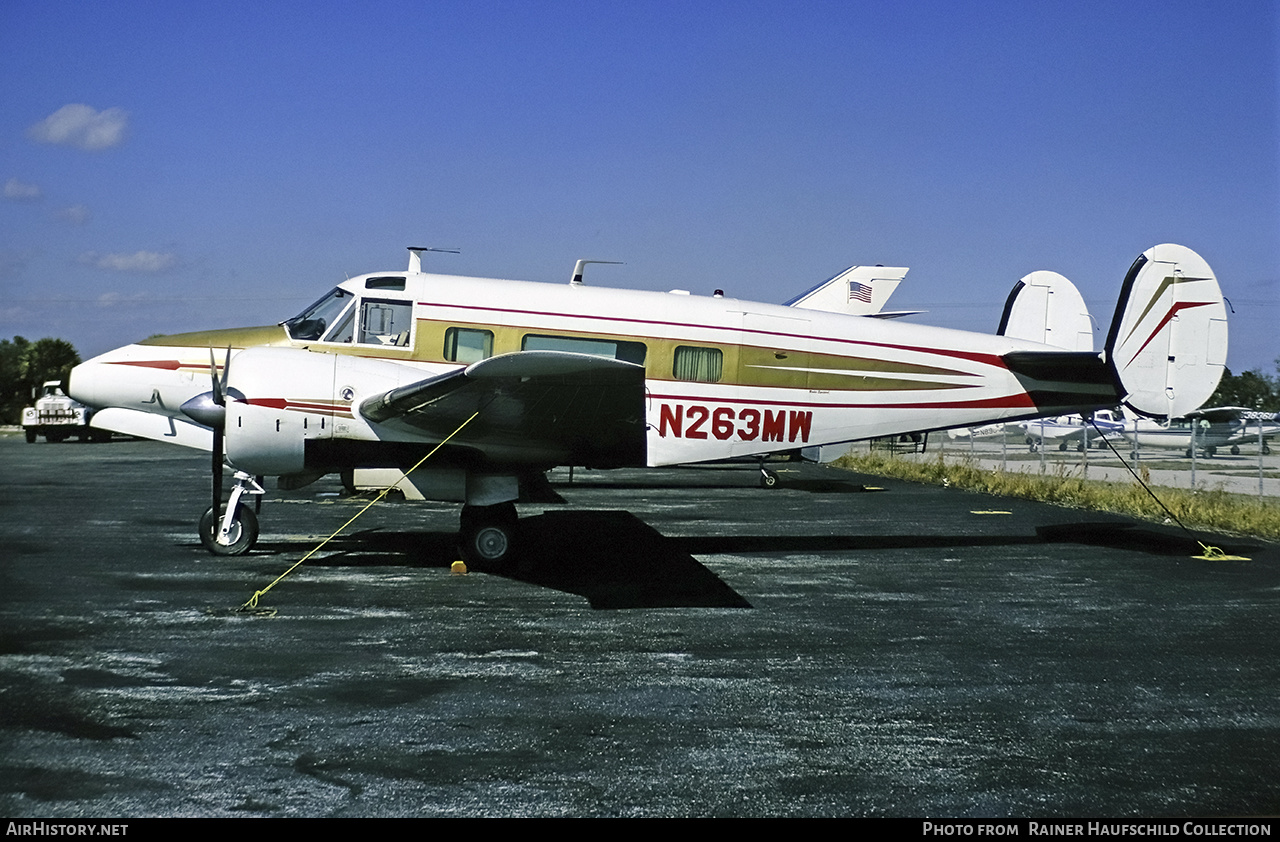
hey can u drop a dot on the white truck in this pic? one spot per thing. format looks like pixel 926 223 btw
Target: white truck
pixel 57 417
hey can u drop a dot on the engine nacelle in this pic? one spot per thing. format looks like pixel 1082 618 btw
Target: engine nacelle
pixel 277 398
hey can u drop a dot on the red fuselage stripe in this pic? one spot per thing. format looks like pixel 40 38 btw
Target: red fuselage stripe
pixel 989 359
pixel 1018 401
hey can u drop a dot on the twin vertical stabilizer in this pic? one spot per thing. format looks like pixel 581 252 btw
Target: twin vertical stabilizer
pixel 1168 341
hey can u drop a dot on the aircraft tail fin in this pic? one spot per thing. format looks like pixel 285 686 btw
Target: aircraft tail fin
pixel 1167 345
pixel 857 291
pixel 1046 307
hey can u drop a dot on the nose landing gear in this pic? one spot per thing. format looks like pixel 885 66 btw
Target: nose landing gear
pixel 233 531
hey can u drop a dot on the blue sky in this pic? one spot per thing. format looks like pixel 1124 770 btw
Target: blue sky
pixel 226 163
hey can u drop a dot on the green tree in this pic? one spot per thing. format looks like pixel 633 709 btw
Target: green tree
pixel 25 365
pixel 1252 389
pixel 13 394
pixel 48 359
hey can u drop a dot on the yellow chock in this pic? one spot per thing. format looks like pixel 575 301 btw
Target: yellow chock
pixel 458 568
pixel 1216 554
pixel 990 512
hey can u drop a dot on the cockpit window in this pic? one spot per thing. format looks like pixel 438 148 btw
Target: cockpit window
pixel 342 331
pixel 385 322
pixel 337 318
pixel 312 322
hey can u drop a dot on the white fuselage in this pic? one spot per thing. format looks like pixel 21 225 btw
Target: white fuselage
pixel 788 378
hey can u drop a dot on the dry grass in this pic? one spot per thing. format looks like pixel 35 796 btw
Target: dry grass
pixel 1212 509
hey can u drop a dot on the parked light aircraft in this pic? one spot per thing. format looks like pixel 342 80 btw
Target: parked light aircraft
pixel 1069 429
pixel 526 376
pixel 1212 428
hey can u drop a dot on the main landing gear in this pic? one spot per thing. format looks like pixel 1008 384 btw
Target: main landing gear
pixel 487 534
pixel 233 531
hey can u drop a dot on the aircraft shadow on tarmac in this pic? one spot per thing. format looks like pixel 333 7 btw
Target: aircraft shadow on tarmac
pixel 1110 534
pixel 1138 537
pixel 612 559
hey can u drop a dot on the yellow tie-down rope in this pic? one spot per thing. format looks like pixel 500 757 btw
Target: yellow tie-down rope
pixel 252 604
pixel 1216 554
pixel 1210 553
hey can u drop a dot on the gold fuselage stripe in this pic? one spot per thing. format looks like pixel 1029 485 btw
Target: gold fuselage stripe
pixel 751 365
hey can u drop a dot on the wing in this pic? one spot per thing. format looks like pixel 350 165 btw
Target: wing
pixel 535 407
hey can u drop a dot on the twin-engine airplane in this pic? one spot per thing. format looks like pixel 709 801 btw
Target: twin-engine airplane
pixel 387 366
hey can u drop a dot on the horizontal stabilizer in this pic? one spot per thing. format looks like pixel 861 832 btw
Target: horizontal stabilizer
pixel 1063 381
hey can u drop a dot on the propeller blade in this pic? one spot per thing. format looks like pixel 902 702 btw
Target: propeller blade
pixel 214 417
pixel 217 475
pixel 226 373
pixel 219 397
pixel 220 383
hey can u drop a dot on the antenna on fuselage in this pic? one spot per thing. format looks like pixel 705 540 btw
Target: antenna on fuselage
pixel 576 280
pixel 415 257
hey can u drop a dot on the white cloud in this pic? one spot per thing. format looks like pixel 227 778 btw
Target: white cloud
pixel 20 191
pixel 82 127
pixel 139 261
pixel 75 215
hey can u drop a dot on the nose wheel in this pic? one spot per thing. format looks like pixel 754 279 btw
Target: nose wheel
pixel 235 539
pixel 232 531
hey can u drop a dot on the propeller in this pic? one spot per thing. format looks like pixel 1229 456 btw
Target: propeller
pixel 210 409
pixel 219 429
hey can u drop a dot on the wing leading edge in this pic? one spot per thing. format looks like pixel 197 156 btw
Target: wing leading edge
pixel 534 407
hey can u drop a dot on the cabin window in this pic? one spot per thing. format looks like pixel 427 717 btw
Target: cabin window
pixel 631 352
pixel 701 365
pixel 385 322
pixel 395 283
pixel 312 322
pixel 467 345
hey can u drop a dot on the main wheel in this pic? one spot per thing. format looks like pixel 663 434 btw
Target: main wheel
pixel 488 533
pixel 241 538
pixel 31 435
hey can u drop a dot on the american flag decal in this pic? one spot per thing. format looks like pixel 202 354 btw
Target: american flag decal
pixel 859 292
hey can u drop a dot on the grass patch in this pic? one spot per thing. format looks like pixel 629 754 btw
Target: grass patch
pixel 1210 509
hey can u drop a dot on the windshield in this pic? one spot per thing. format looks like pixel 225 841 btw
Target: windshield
pixel 311 322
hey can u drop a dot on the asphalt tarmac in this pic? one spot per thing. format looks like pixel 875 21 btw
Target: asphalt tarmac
pixel 672 643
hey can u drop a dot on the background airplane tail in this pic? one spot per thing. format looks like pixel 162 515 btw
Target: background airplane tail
pixel 1167 346
pixel 857 291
